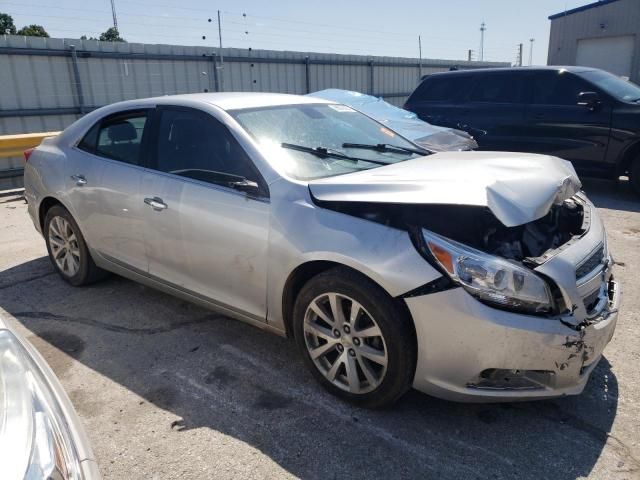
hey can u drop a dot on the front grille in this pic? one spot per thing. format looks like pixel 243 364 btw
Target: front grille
pixel 590 263
pixel 591 300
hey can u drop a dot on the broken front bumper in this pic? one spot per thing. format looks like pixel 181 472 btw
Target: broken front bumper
pixel 468 351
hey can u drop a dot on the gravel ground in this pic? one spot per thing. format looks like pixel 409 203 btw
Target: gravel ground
pixel 169 390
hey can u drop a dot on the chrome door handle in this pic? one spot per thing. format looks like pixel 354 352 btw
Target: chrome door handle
pixel 156 203
pixel 79 179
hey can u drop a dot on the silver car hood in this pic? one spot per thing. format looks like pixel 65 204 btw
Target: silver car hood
pixel 517 187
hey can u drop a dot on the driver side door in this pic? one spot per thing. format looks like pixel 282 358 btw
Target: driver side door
pixel 204 235
pixel 557 125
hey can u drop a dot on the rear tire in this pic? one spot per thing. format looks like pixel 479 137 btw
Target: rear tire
pixel 634 175
pixel 356 340
pixel 68 250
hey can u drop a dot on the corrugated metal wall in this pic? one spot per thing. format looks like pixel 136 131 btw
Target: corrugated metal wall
pixel 47 83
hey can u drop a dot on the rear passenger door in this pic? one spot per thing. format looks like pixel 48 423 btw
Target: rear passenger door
pixel 207 233
pixel 494 112
pixel 437 99
pixel 558 126
pixel 106 170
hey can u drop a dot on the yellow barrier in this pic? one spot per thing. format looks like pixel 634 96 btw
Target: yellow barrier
pixel 14 145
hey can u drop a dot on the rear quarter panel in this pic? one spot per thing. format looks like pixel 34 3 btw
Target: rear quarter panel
pixel 44 176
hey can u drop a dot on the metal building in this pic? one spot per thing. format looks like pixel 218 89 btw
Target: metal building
pixel 604 34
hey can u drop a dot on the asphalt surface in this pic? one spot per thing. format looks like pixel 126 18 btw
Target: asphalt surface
pixel 169 390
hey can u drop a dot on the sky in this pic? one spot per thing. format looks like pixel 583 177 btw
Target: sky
pixel 448 28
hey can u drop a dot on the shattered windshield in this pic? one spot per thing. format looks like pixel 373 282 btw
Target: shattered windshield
pixel 316 128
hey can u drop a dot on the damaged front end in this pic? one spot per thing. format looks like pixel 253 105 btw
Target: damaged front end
pixel 519 238
pixel 473 248
pixel 553 273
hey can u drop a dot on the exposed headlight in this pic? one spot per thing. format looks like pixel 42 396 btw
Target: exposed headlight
pixel 35 441
pixel 491 279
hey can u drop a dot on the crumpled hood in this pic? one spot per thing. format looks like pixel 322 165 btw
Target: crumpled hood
pixel 517 187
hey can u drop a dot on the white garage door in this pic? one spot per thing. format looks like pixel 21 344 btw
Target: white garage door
pixel 613 54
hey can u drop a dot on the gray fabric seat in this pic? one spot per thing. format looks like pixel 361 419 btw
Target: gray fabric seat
pixel 122 146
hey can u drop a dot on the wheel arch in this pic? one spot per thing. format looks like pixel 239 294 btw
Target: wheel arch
pixel 630 154
pixel 45 205
pixel 308 270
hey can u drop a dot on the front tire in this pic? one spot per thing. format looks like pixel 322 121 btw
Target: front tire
pixel 356 340
pixel 68 250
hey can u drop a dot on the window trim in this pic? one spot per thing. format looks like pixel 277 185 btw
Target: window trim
pixel 143 140
pixel 152 142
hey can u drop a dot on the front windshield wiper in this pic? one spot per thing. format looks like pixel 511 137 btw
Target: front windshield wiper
pixel 324 152
pixel 385 147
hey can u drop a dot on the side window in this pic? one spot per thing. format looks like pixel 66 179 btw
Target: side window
pixel 441 88
pixel 193 144
pixel 88 143
pixel 120 136
pixel 498 88
pixel 557 88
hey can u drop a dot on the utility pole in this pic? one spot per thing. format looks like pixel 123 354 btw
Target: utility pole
pixel 519 61
pixel 221 56
pixel 113 12
pixel 420 58
pixel 531 40
pixel 220 32
pixel 482 29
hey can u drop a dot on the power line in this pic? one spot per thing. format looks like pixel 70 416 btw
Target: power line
pixel 254 34
pixel 357 38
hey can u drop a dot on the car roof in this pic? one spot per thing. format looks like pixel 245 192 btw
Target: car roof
pixel 229 100
pixel 568 68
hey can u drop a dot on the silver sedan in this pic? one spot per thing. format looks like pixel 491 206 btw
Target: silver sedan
pixel 473 276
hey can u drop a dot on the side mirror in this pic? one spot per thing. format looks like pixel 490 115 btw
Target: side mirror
pixel 591 100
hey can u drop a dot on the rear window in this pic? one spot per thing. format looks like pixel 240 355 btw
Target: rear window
pixel 118 136
pixel 441 88
pixel 499 88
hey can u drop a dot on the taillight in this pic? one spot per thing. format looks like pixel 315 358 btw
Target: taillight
pixel 27 153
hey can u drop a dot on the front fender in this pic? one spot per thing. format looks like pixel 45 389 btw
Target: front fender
pixel 302 232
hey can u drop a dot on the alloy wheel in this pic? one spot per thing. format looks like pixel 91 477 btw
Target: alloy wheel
pixel 345 343
pixel 64 246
